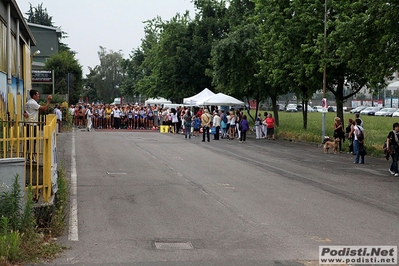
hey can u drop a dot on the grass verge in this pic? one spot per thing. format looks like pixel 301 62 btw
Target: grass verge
pixel 376 129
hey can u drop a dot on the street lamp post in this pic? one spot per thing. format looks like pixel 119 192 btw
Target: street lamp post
pixel 37 52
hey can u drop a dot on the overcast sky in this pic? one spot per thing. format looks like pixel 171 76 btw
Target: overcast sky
pixel 115 25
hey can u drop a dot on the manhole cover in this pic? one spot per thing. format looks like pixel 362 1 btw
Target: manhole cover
pixel 173 246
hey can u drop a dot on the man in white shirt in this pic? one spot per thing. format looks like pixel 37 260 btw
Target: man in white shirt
pixel 32 108
pixel 31 115
pixel 216 124
pixel 117 117
pixel 88 116
pixel 58 114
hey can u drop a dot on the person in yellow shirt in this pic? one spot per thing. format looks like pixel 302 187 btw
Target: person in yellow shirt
pixel 108 112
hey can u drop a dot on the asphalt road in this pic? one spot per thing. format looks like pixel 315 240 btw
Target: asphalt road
pixel 145 198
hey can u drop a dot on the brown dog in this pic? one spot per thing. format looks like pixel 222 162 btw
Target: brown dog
pixel 331 144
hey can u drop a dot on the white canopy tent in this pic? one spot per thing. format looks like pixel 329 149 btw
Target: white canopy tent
pixel 393 85
pixel 204 94
pixel 157 101
pixel 220 99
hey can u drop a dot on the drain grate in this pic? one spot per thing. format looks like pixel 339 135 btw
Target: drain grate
pixel 173 246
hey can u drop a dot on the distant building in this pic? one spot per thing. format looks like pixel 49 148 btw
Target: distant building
pixel 47 43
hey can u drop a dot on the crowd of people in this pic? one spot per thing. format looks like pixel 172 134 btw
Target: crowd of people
pixel 354 133
pixel 181 120
pixel 231 124
pixel 106 116
pixel 228 125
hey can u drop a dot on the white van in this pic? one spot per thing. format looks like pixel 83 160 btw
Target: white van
pixel 117 101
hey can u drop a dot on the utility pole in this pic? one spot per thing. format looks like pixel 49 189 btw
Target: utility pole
pixel 323 126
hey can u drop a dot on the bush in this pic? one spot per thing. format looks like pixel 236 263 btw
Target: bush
pixel 21 239
pixel 10 242
pixel 12 222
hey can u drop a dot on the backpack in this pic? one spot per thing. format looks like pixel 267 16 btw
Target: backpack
pixel 360 136
pixel 224 119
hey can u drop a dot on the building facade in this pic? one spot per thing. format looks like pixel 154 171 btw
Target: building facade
pixel 16 40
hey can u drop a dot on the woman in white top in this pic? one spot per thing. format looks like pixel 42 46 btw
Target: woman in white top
pixel 232 125
pixel 175 119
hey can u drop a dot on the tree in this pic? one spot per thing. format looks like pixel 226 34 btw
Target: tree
pixel 134 73
pixel 175 54
pixel 210 25
pixel 234 58
pixel 40 16
pixel 62 64
pixel 171 58
pixel 235 65
pixel 107 77
pixel 359 35
pixel 361 46
pixel 289 31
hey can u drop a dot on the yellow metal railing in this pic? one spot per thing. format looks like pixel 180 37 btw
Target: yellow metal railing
pixel 36 143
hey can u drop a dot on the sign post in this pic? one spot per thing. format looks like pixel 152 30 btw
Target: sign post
pixel 42 76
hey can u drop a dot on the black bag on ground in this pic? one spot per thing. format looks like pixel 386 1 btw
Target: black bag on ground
pixel 362 150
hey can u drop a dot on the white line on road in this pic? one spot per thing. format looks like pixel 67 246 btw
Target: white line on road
pixel 73 215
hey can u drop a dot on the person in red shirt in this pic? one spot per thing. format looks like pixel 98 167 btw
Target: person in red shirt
pixel 270 126
pixel 199 113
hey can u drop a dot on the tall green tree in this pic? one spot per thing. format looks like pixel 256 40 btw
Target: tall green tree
pixel 358 49
pixel 176 53
pixel 142 63
pixel 289 33
pixel 62 64
pixel 362 39
pixel 210 25
pixel 134 73
pixel 171 59
pixel 235 67
pixel 107 77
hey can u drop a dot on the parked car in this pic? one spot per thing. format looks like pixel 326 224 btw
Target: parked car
pixel 299 108
pixel 318 108
pixel 385 112
pixel 396 113
pixel 291 108
pixel 370 110
pixel 332 109
pixel 357 109
pixel 281 107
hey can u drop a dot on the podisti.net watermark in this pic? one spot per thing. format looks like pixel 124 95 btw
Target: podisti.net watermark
pixel 358 254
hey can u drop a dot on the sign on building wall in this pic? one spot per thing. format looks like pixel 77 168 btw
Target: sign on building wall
pixel 42 77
